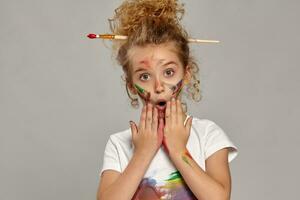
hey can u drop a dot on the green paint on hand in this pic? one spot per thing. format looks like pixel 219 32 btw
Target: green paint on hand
pixel 185 159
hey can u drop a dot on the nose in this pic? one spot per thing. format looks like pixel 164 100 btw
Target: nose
pixel 159 87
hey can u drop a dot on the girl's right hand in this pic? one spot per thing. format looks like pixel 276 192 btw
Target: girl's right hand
pixel 146 138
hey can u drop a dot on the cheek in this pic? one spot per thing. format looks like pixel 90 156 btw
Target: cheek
pixel 180 73
pixel 177 76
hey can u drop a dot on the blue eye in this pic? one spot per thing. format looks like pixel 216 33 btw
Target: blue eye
pixel 144 76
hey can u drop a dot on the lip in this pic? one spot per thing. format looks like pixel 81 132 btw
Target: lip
pixel 159 107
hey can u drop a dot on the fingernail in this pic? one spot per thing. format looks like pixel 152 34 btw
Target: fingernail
pixel 173 99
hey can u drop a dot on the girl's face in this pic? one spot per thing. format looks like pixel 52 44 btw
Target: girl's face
pixel 157 73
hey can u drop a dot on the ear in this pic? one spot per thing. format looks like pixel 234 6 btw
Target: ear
pixel 187 75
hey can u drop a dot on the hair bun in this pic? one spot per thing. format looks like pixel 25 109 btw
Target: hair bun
pixel 132 14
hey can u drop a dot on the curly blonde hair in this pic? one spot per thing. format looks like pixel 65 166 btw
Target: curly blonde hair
pixel 153 22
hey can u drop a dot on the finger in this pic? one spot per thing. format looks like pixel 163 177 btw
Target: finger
pixel 134 130
pixel 168 113
pixel 179 111
pixel 143 118
pixel 149 116
pixel 160 130
pixel 173 111
pixel 155 120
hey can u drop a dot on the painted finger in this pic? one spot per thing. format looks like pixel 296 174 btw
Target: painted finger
pixel 168 113
pixel 148 123
pixel 133 128
pixel 155 120
pixel 143 118
pixel 173 111
pixel 179 111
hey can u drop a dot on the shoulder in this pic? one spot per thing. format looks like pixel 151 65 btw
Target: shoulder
pixel 121 137
pixel 202 122
pixel 205 126
pixel 201 125
pixel 214 137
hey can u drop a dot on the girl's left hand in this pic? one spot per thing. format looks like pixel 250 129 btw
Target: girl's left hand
pixel 176 134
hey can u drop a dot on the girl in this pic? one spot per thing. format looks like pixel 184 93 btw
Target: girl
pixel 168 154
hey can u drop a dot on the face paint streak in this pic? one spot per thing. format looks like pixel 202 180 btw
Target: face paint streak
pixel 145 95
pixel 178 93
pixel 146 63
pixel 177 87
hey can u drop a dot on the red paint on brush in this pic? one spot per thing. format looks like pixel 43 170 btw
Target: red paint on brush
pixel 92 36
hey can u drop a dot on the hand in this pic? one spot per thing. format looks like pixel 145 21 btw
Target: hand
pixel 145 137
pixel 176 134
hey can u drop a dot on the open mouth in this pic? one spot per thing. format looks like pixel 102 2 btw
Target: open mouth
pixel 161 105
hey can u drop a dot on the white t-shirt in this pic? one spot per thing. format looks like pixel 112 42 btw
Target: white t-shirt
pixel 162 180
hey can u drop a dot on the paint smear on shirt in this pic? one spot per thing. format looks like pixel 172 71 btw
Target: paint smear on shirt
pixel 174 188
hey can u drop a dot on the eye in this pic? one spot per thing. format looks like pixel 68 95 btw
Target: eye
pixel 144 77
pixel 169 72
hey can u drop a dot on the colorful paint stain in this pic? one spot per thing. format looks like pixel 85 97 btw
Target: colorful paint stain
pixel 144 93
pixel 147 190
pixel 176 88
pixel 174 188
pixel 186 156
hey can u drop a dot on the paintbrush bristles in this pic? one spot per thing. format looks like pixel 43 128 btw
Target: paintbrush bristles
pixel 123 37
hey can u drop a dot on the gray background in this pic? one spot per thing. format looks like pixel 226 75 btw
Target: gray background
pixel 61 94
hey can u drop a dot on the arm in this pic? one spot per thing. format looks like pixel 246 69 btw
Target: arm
pixel 214 184
pixel 147 139
pixel 116 186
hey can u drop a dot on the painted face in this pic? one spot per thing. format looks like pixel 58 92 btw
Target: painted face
pixel 142 92
pixel 157 72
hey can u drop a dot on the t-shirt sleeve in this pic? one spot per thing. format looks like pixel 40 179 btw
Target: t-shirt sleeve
pixel 216 139
pixel 111 159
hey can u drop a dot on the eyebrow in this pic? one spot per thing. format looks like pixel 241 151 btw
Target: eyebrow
pixel 145 69
pixel 140 69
